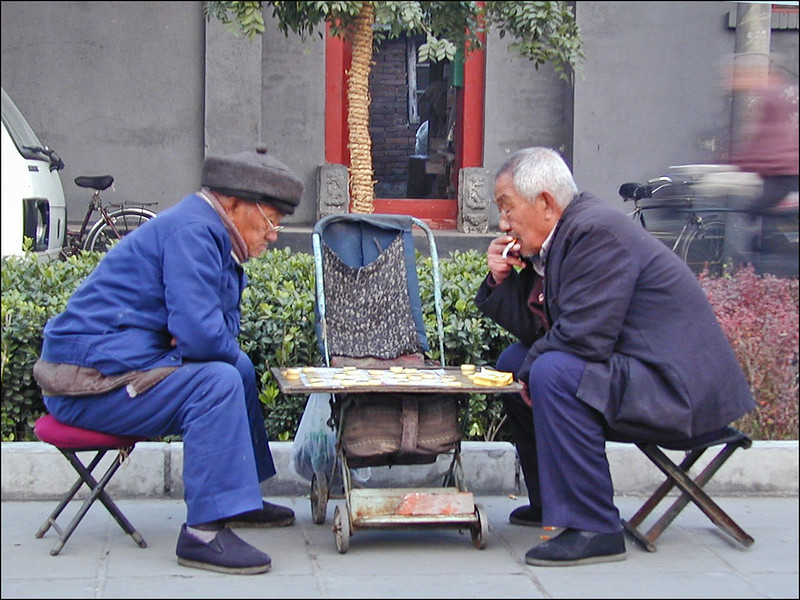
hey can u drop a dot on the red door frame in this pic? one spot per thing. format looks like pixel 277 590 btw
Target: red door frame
pixel 469 107
pixel 469 119
pixel 338 56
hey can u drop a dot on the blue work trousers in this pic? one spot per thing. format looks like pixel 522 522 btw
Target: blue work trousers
pixel 214 407
pixel 573 473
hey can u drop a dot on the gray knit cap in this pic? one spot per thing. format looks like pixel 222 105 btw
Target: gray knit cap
pixel 254 176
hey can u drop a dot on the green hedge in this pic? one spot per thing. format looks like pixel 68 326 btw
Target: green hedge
pixel 278 330
pixel 32 292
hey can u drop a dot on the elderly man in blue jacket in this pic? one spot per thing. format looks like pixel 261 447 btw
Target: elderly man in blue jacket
pixel 616 336
pixel 147 346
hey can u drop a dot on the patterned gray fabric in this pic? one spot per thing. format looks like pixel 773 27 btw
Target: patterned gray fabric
pixel 367 309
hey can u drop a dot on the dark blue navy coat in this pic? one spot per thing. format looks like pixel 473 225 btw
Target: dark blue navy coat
pixel 659 365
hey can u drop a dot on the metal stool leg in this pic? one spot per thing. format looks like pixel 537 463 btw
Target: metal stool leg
pixel 51 520
pixel 97 492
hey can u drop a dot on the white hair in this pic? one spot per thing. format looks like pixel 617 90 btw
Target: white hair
pixel 536 170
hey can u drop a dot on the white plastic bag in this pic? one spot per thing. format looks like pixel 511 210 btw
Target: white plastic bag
pixel 314 447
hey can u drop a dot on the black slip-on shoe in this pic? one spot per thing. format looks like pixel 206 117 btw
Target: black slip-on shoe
pixel 526 515
pixel 226 553
pixel 574 547
pixel 270 515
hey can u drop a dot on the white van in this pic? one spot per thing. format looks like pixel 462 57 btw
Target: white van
pixel 32 196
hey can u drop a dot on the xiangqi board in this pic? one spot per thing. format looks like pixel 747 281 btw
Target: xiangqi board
pixel 293 380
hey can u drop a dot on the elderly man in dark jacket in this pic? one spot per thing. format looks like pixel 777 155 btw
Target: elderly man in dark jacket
pixel 616 336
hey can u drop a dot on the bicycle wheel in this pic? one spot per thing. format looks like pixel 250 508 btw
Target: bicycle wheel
pixel 703 246
pixel 102 235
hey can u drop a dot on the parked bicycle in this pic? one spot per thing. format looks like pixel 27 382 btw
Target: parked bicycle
pixel 718 225
pixel 700 242
pixel 111 226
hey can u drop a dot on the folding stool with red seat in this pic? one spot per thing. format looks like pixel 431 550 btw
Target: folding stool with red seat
pixel 69 441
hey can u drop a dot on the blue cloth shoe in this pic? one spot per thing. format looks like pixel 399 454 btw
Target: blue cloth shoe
pixel 226 553
pixel 270 515
pixel 574 547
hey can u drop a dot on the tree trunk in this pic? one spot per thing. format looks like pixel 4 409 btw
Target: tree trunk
pixel 360 143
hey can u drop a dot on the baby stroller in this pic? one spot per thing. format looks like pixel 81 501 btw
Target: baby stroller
pixel 369 316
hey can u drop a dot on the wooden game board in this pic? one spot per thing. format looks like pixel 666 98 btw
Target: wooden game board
pixel 305 380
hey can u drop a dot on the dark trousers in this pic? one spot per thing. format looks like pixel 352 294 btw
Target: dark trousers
pixel 561 444
pixel 776 188
pixel 520 424
pixel 751 232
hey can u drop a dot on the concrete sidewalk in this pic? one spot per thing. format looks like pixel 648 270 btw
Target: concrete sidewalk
pixel 694 559
pixel 758 487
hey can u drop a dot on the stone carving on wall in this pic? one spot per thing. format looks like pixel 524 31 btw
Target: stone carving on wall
pixel 332 189
pixel 474 200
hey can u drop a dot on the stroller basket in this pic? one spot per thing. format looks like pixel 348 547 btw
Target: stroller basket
pixel 408 429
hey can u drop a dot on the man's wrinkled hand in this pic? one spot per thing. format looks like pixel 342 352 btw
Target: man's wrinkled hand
pixel 502 256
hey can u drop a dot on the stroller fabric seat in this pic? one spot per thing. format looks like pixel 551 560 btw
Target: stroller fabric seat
pixel 367 313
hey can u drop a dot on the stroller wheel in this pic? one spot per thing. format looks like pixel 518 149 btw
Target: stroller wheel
pixel 341 530
pixel 319 497
pixel 480 529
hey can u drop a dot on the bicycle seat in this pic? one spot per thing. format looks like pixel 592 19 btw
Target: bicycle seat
pixel 635 191
pixel 97 182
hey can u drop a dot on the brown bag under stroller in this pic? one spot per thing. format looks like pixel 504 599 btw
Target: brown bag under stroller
pixel 386 429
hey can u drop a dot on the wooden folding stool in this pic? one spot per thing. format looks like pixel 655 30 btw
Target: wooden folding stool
pixel 691 489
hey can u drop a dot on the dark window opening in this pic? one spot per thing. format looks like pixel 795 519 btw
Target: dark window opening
pixel 412 123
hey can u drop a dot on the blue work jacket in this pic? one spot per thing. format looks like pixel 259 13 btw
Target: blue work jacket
pixel 173 277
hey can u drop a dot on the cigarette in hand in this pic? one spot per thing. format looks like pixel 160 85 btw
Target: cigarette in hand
pixel 508 247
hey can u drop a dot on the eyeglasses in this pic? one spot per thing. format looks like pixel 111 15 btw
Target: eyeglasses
pixel 270 225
